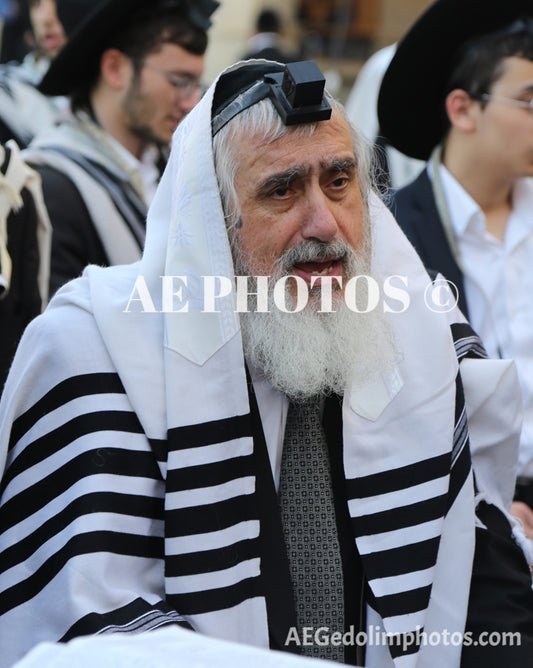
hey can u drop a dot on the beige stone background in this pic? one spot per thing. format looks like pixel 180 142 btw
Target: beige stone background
pixel 382 21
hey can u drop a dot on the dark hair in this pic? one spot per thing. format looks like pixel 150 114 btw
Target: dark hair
pixel 268 21
pixel 479 63
pixel 143 33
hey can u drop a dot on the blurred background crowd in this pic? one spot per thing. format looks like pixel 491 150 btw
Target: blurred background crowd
pixel 339 34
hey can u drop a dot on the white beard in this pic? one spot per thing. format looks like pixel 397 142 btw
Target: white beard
pixel 310 353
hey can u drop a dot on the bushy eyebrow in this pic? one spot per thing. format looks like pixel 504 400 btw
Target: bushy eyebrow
pixel 282 179
pixel 339 165
pixel 286 178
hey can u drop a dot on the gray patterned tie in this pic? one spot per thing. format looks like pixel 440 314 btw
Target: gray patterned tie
pixel 309 527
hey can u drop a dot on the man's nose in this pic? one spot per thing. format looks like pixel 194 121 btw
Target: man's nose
pixel 320 222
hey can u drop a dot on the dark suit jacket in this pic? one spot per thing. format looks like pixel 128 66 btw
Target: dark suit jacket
pixel 416 212
pixel 23 301
pixel 75 241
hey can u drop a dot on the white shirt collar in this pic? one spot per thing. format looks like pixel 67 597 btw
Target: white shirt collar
pixel 145 167
pixel 464 211
pixel 466 214
pixel 522 223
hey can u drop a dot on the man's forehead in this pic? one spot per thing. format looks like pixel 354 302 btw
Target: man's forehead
pixel 517 70
pixel 323 150
pixel 336 163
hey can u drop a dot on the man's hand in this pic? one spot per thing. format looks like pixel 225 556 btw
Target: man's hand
pixel 524 513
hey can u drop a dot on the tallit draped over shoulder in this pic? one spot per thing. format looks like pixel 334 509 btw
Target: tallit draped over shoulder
pixel 129 498
pixel 95 198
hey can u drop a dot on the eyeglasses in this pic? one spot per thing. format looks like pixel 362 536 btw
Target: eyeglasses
pixel 186 86
pixel 525 104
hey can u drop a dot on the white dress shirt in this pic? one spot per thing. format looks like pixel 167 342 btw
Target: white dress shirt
pixel 498 280
pixel 273 407
pixel 145 168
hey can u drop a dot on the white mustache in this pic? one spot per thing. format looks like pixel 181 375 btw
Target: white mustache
pixel 315 251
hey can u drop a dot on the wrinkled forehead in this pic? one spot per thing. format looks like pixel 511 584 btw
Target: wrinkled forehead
pixel 300 154
pixel 256 134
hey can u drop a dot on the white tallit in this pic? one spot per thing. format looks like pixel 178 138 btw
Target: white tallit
pixel 109 187
pixel 18 175
pixel 184 379
pixel 24 110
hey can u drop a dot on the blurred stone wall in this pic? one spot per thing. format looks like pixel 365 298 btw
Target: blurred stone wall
pixel 233 25
pixel 396 17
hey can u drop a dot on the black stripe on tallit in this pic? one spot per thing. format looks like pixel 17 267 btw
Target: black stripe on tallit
pixel 126 201
pixel 212 517
pixel 470 347
pixel 400 517
pixel 406 602
pixel 467 343
pixel 209 561
pixel 159 448
pixel 401 560
pixel 209 517
pixel 62 393
pixel 134 545
pixel 460 435
pixel 198 603
pixel 60 438
pixel 404 644
pixel 97 502
pixel 419 556
pixel 113 461
pixel 209 475
pixel 209 433
pixel 136 616
pixel 399 478
pixel 459 475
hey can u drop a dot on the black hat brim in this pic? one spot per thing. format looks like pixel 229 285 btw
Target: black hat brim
pixel 73 12
pixel 411 97
pixel 80 57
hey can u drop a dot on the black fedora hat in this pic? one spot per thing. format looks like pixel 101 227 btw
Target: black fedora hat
pixel 73 12
pixel 76 60
pixel 411 97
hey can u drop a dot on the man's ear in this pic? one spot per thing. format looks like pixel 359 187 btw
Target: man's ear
pixel 462 110
pixel 116 68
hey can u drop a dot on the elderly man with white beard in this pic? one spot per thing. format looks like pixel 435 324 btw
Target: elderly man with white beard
pixel 332 482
